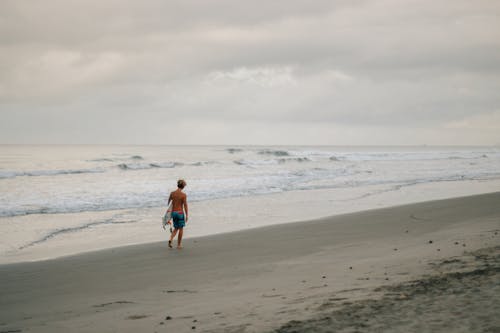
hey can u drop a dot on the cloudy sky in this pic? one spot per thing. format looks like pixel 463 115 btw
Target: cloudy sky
pixel 250 72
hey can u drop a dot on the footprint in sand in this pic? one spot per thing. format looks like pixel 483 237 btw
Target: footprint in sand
pixel 180 291
pixel 111 303
pixel 135 317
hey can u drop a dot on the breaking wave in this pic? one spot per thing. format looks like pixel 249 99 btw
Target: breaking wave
pixel 251 163
pixel 109 159
pixel 36 173
pixel 6 174
pixel 230 187
pixel 234 150
pixel 215 174
pixel 274 152
pixel 143 166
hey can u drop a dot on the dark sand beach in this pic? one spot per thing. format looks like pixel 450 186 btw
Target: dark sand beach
pixel 425 267
pixel 461 296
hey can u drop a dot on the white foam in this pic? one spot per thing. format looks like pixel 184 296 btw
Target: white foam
pixel 86 183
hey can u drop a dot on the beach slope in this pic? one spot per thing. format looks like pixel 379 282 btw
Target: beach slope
pixel 308 276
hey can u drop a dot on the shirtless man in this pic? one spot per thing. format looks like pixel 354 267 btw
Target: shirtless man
pixel 179 212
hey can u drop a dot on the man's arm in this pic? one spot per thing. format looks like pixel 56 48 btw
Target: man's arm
pixel 169 199
pixel 186 207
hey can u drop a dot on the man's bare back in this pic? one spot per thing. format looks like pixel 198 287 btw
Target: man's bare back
pixel 178 199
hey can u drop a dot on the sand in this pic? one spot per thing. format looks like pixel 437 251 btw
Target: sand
pixel 458 301
pixel 431 266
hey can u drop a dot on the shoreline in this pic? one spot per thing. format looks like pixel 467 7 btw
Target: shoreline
pixel 56 240
pixel 254 280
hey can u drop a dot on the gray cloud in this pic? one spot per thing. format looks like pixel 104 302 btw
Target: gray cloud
pixel 75 71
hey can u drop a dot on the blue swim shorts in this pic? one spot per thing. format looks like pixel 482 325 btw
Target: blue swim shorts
pixel 178 219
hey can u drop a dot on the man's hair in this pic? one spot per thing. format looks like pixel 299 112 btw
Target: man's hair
pixel 181 183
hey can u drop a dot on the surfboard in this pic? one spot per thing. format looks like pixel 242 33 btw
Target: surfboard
pixel 167 217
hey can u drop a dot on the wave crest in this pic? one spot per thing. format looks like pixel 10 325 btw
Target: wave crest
pixel 37 173
pixel 144 166
pixel 234 150
pixel 278 153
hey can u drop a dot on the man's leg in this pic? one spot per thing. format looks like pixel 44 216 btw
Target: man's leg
pixel 172 236
pixel 179 239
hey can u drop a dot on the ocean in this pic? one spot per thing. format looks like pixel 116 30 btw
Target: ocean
pixel 65 199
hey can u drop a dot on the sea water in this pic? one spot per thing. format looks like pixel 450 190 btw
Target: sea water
pixel 64 199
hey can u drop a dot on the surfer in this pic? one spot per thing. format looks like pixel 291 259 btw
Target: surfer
pixel 179 212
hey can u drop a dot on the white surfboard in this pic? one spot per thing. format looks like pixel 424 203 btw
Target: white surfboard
pixel 167 217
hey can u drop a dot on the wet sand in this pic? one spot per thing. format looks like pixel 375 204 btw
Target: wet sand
pixel 415 268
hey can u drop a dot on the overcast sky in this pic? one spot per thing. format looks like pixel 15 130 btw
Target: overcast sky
pixel 250 72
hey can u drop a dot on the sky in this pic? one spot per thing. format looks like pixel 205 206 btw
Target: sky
pixel 282 72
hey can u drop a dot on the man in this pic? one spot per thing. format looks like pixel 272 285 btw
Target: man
pixel 179 212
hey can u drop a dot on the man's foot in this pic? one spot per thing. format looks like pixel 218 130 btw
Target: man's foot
pixel 170 244
pixel 179 247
